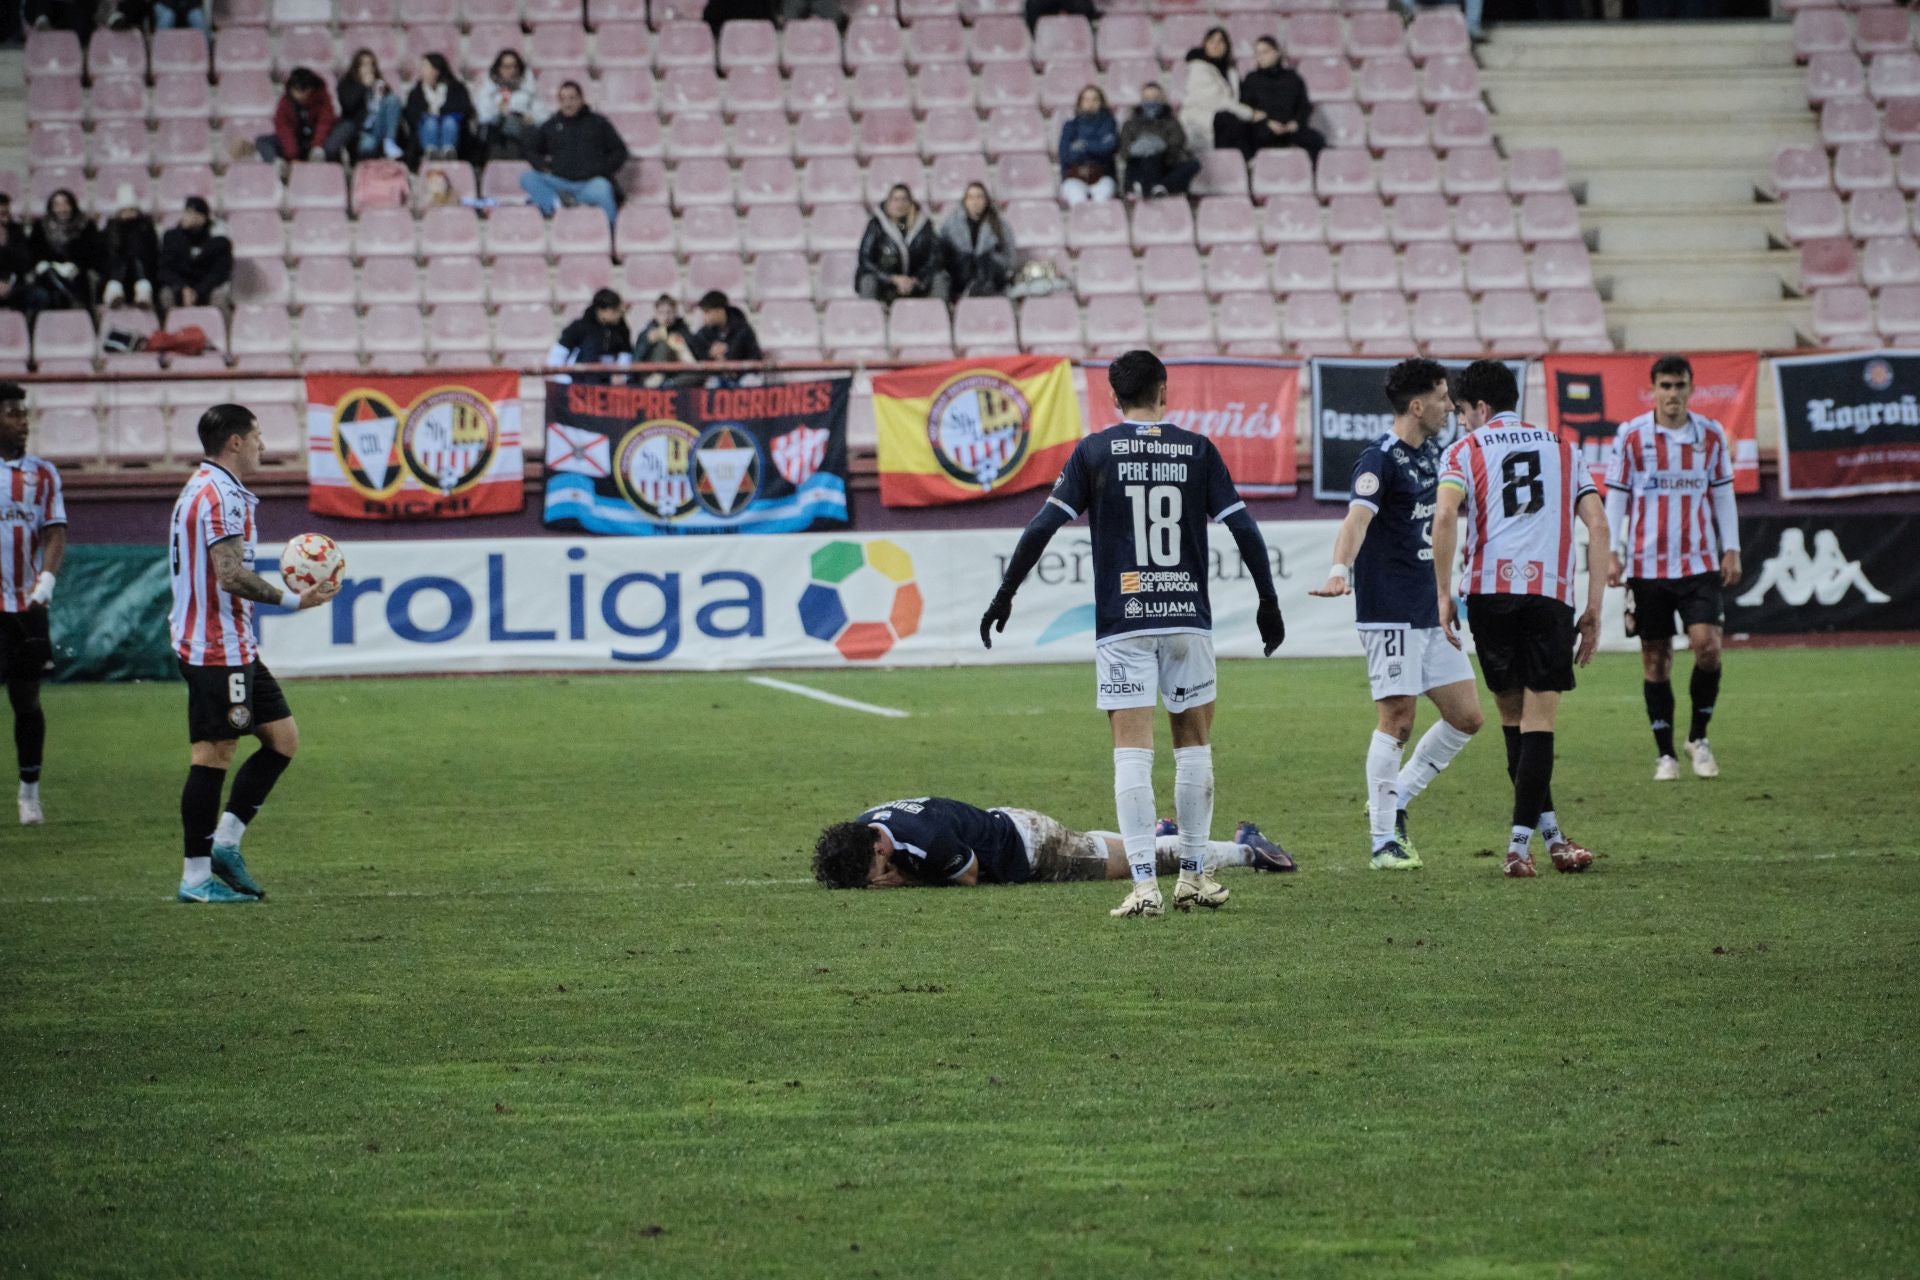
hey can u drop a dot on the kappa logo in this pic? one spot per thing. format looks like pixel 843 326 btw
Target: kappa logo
pixel 1825 577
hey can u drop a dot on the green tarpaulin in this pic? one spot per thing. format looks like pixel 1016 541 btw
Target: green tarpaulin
pixel 110 615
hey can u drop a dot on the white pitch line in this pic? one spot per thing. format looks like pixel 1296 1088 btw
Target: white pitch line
pixel 833 699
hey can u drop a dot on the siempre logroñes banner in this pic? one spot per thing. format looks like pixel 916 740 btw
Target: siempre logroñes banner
pixel 1246 407
pixel 652 460
pixel 968 429
pixel 1589 396
pixel 1848 423
pixel 421 446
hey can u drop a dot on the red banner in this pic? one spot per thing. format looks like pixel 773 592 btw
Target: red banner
pixel 1246 407
pixel 434 445
pixel 1589 396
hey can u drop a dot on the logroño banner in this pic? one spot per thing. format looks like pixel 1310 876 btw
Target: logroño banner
pixel 796 600
pixel 671 460
pixel 1589 396
pixel 1246 407
pixel 417 446
pixel 1350 412
pixel 1848 423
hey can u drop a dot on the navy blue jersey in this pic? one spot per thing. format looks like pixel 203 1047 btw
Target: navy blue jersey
pixel 1148 490
pixel 937 839
pixel 1393 574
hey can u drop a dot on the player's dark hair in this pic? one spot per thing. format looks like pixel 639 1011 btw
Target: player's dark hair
pixel 1487 382
pixel 11 391
pixel 1411 379
pixel 1135 378
pixel 222 423
pixel 843 856
pixel 1671 364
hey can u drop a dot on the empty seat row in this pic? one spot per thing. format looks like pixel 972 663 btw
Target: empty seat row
pixel 1844 120
pixel 1849 316
pixel 1876 263
pixel 1842 75
pixel 1870 214
pixel 1887 29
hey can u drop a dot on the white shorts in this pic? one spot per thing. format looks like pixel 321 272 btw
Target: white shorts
pixel 1133 669
pixel 1405 662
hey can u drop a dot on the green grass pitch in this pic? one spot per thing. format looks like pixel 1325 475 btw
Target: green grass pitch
pixel 539 993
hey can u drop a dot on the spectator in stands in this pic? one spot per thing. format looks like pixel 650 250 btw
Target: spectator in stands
pixel 196 266
pixel 17 292
pixel 577 154
pixel 507 108
pixel 1089 141
pixel 900 254
pixel 66 253
pixel 369 121
pixel 60 15
pixel 724 333
pixel 301 122
pixel 980 252
pixel 1278 92
pixel 667 339
pixel 1038 9
pixel 720 12
pixel 132 254
pixel 438 109
pixel 599 336
pixel 1212 112
pixel 168 14
pixel 793 10
pixel 1153 148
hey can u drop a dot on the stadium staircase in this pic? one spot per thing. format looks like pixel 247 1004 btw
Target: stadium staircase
pixel 1668 131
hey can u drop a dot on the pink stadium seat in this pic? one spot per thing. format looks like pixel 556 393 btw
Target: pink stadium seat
pixel 69 436
pixel 329 338
pixel 1355 218
pixel 1317 35
pixel 984 326
pixel 1894 75
pixel 1378 321
pixel 1510 322
pixel 1877 213
pixel 782 275
pixel 1315 324
pixel 42 183
pixel 450 232
pixel 1344 171
pixel 702 181
pixel 1011 84
pixel 115 142
pixel 319 231
pixel 56 97
pixel 516 231
pixel 316 186
pixel 1223 220
pixel 392 332
pixel 581 229
pixel 689 90
pixel 523 333
pixel 117 97
pixel 805 42
pixel 1179 30
pixel 116 53
pixel 637 89
pixel 247 95
pixel 885 132
pixel 182 142
pixel 1247 324
pixel 999 39
pixel 1099 224
pixel 698 135
pixel 1171 269
pixel 823 133
pixel 387 233
pixel 1115 326
pixel 137 432
pixel 1237 268
pixel 1900 310
pixel 935 40
pixel 1282 172
pixel 838 227
pixel 1123 37
pixel 643 228
pixel 457 333
pixel 887 172
pixel 1060 38
pixel 579 276
pixel 1397 124
pixel 1387 79
pixel 1302 268
pixel 1844 316
pixel 1223 172
pixel 1432 266
pixel 768 180
pixel 180 50
pixel 881 88
pixel 1012 129
pixel 306 45
pixel 64 335
pixel 1883 262
pixel 789 330
pixel 683 44
pixel 1154 222
pixel 1573 315
pixel 750 43
pixel 261 281
pixel 1025 176
pixel 828 180
pixel 1479 218
pixel 622 44
pixel 1123 81
pixel 1821 31
pixel 951 133
pixel 948 176
pixel 1435 32
pixel 1902 123
pixel 1813 215
pixel 775 229
pixel 1105 271
pixel 647 275
pixel 1368 268
pixel 1369 35
pixel 1825 263
pixel 1035 224
pixel 1562 264
pixel 1461 124
pixel 1410 171
pixel 1834 75
pixel 1291 219
pixel 1862 166
pixel 1495 265
pixel 1532 170
pixel 561 45
pixel 708 229
pixel 854 329
pixel 53 53
pixel 1549 217
pixel 390 280
pixel 1183 325
pixel 500 181
pixel 64 142
pixel 1051 325
pixel 1450 78
pixel 1444 316
pixel 1343 123
pixel 877 40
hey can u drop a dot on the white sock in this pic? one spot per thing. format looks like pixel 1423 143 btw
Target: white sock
pixel 29 791
pixel 195 872
pixel 1549 827
pixel 1225 853
pixel 1435 751
pixel 230 830
pixel 1193 805
pixel 1133 804
pixel 1383 785
pixel 1522 837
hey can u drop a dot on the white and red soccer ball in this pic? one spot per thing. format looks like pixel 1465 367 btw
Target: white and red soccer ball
pixel 311 559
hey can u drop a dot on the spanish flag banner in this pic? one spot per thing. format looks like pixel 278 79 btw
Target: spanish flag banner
pixel 970 429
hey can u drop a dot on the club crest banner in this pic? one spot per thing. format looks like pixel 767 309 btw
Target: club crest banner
pixel 674 460
pixel 1246 407
pixel 1350 412
pixel 970 429
pixel 1848 423
pixel 1589 396
pixel 425 446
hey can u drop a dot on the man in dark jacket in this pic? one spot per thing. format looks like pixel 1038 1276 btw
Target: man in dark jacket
pixel 577 156
pixel 900 254
pixel 724 333
pixel 196 266
pixel 1153 148
pixel 1280 92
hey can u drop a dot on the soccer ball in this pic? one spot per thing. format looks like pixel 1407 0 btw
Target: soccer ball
pixel 311 559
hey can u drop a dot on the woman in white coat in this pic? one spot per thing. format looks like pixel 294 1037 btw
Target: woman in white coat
pixel 1211 111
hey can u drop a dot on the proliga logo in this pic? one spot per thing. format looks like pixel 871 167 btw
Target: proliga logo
pixel 861 599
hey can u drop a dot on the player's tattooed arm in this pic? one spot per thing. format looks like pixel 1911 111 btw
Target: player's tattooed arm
pixel 230 567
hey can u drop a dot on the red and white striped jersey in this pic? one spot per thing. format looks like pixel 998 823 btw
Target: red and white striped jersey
pixel 1668 477
pixel 211 627
pixel 1522 484
pixel 30 504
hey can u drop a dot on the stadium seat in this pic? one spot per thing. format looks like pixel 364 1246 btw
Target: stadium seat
pixel 1473 171
pixel 1291 219
pixel 1429 266
pixel 1122 80
pixel 648 275
pixel 1444 317
pixel 753 43
pixel 1024 176
pixel 1452 77
pixel 1879 30
pixel 116 53
pixel 1281 172
pixel 64 142
pixel 1012 84
pixel 688 90
pixel 697 135
pixel 1562 264
pixel 1183 326
pixel 1397 124
pixel 316 186
pixel 329 338
pixel 638 89
pixel 1017 129
pixel 305 45
pixel 180 50
pixel 500 181
pixel 1813 215
pixel 854 329
pixel 1821 31
pixel 1355 218
pixel 1862 166
pixel 1420 217
pixel 524 332
pixel 1825 263
pixel 886 172
pixel 1510 322
pixel 804 42
pixel 1461 124
pixel 261 281
pixel 683 44
pixel 1549 217
pixel 935 40
pixel 56 97
pixel 1062 38
pixel 781 274
pixel 1894 75
pixel 1106 271
pixel 1224 220
pixel 325 280
pixel 774 229
pixel 1368 268
pixel 704 180
pixel 1001 38
pixel 64 336
pixel 1900 310
pixel 1532 170
pixel 1051 325
pixel 1123 37
pixel 1437 32
pixel 1315 324
pixel 116 97
pixel 871 41
pixel 450 232
pixel 581 229
pixel 182 142
pixel 788 330
pixel 951 133
pixel 983 327
pixel 387 233
pixel 708 229
pixel 1415 171
pixel 1875 213
pixel 1886 261
pixel 394 280
pixel 836 227
pixel 768 180
pixel 1302 268
pixel 1344 171
pixel 1496 265
pixel 577 277
pixel 885 88
pixel 1035 224
pixel 1378 322
pixel 828 180
pixel 823 134
pixel 1154 222
pixel 1247 324
pixel 516 231
pixel 1844 316
pixel 392 335
pixel 1237 268
pixel 53 53
pixel 1328 79
pixel 323 231
pixel 1573 315
pixel 948 177
pixel 1223 172
pixel 1834 75
pixel 1171 269
pixel 136 432
pixel 1387 79
pixel 1482 218
pixel 16 345
pixel 627 45
pixel 1116 326
pixel 66 435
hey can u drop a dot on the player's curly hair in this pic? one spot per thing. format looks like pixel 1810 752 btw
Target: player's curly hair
pixel 843 855
pixel 1411 379
pixel 1487 382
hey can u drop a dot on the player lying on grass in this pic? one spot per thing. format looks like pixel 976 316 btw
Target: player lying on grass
pixel 932 841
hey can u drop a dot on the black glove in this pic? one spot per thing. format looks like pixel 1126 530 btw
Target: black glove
pixel 1273 628
pixel 995 618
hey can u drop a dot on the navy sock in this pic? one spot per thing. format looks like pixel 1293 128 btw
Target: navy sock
pixel 254 781
pixel 1659 696
pixel 200 808
pixel 1704 689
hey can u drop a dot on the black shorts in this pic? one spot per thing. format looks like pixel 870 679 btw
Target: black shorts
pixel 1524 642
pixel 26 645
pixel 225 703
pixel 1697 599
